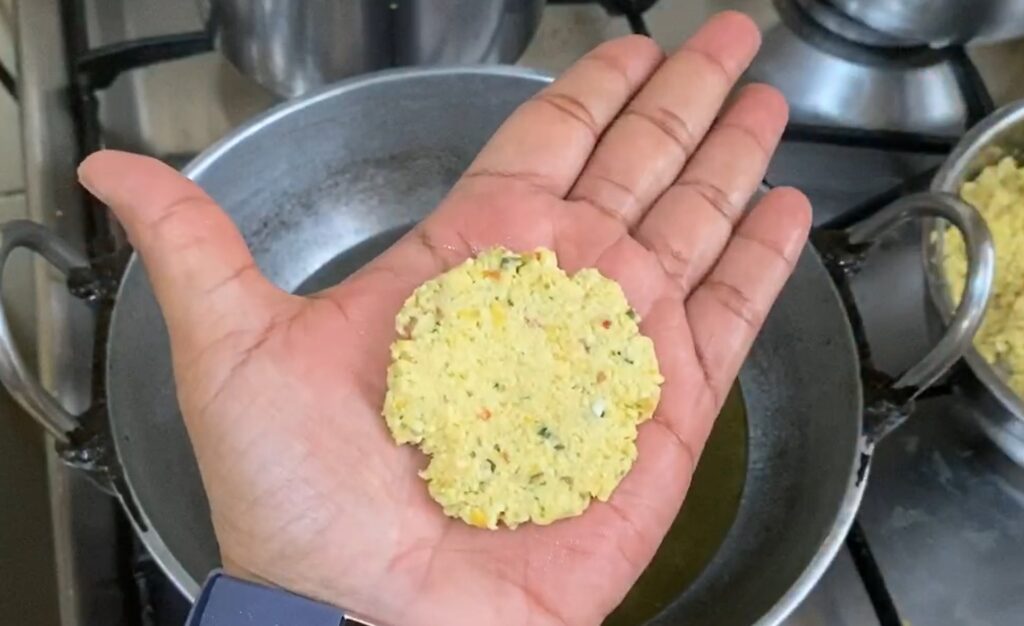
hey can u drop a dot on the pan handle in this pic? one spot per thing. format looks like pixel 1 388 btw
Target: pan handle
pixel 980 268
pixel 22 384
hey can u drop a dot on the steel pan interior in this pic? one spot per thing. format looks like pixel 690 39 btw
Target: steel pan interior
pixel 320 186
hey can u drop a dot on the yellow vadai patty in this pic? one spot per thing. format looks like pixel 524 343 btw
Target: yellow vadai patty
pixel 523 384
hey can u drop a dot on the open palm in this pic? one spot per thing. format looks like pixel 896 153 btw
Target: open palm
pixel 623 164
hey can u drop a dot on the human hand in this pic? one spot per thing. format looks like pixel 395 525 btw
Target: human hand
pixel 621 165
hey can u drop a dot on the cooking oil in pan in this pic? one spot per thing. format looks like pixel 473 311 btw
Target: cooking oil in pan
pixel 701 525
pixel 710 507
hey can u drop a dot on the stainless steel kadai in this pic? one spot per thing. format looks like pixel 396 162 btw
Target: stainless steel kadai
pixel 316 205
pixel 940 22
pixel 1000 411
pixel 291 47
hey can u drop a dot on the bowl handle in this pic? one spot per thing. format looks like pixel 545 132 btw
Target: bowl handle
pixel 22 384
pixel 980 269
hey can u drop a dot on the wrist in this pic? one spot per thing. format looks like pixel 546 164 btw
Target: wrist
pixel 358 593
pixel 225 597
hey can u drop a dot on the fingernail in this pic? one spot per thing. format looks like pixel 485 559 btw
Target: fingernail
pixel 83 180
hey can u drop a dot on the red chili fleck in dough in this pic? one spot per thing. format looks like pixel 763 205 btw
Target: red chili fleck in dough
pixel 606 324
pixel 484 414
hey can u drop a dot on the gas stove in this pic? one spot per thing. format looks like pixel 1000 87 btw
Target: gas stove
pixel 938 538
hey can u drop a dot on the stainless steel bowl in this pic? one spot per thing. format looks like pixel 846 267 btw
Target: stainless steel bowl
pixel 293 47
pixel 1000 411
pixel 940 22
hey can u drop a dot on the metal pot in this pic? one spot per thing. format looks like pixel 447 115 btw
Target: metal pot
pixel 292 47
pixel 940 22
pixel 315 205
pixel 1000 411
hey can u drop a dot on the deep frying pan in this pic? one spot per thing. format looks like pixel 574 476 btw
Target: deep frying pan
pixel 321 185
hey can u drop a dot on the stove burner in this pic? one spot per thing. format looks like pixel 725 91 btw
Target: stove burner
pixel 838 72
pixel 826 26
pixel 841 24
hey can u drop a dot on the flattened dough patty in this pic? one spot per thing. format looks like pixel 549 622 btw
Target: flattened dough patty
pixel 523 384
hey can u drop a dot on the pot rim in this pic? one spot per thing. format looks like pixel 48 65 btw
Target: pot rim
pixel 956 168
pixel 830 545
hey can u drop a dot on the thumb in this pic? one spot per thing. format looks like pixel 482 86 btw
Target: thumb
pixel 205 279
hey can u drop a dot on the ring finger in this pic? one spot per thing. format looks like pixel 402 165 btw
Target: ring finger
pixel 690 224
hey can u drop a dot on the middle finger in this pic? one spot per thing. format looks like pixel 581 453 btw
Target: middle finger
pixel 647 146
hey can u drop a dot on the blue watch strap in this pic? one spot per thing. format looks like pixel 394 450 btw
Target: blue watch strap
pixel 227 601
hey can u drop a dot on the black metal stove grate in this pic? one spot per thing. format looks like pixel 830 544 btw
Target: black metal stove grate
pixel 632 10
pixel 979 105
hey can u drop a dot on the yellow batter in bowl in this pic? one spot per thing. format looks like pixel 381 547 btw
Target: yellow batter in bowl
pixel 523 384
pixel 998 194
